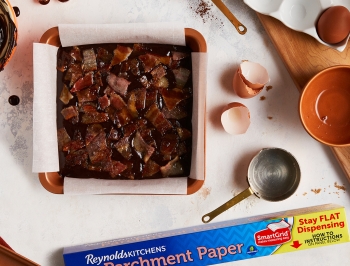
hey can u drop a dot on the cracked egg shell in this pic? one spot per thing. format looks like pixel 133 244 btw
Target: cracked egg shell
pixel 249 79
pixel 235 118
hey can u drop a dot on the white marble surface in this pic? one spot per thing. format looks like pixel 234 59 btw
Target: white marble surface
pixel 38 224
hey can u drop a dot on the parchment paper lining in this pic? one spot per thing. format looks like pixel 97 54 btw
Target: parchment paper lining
pixel 45 151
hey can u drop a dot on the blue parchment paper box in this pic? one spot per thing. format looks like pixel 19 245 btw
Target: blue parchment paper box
pixel 220 242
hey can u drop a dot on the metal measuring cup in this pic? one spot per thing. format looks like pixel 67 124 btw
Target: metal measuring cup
pixel 273 175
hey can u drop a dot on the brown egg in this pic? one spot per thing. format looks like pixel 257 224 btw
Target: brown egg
pixel 333 25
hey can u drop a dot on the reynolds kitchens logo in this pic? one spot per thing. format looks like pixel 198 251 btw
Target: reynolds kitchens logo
pixel 275 234
pixel 98 260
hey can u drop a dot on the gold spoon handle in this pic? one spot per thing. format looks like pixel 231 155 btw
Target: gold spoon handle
pixel 224 207
pixel 238 25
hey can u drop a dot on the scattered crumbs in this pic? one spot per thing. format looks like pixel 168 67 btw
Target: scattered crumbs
pixel 244 60
pixel 305 193
pixel 339 187
pixel 268 88
pixel 262 98
pixel 270 117
pixel 205 192
pixel 316 191
pixel 251 203
pixel 203 8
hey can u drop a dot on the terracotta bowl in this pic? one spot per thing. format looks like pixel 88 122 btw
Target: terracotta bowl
pixel 324 106
pixel 9 29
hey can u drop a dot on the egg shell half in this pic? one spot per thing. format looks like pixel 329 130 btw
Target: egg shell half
pixel 254 74
pixel 235 118
pixel 241 88
pixel 249 79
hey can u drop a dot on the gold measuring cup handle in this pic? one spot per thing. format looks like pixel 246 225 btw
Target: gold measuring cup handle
pixel 238 25
pixel 241 196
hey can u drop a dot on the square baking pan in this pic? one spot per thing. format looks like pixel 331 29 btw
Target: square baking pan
pixel 54 183
pixel 10 258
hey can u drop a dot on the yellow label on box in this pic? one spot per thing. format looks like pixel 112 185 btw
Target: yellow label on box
pixel 317 229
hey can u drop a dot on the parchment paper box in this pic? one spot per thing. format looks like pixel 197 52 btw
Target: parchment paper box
pixel 221 242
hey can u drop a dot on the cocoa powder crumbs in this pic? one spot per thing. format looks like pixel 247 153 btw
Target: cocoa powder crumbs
pixel 270 117
pixel 268 88
pixel 339 187
pixel 203 9
pixel 262 98
pixel 316 191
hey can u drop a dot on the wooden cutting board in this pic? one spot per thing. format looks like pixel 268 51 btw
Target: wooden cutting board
pixel 304 57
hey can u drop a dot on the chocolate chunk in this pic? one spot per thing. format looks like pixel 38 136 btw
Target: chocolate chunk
pixel 124 111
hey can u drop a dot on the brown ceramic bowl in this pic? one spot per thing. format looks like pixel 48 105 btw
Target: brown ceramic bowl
pixel 324 106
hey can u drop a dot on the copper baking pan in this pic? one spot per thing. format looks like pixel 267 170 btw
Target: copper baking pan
pixel 10 258
pixel 52 181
